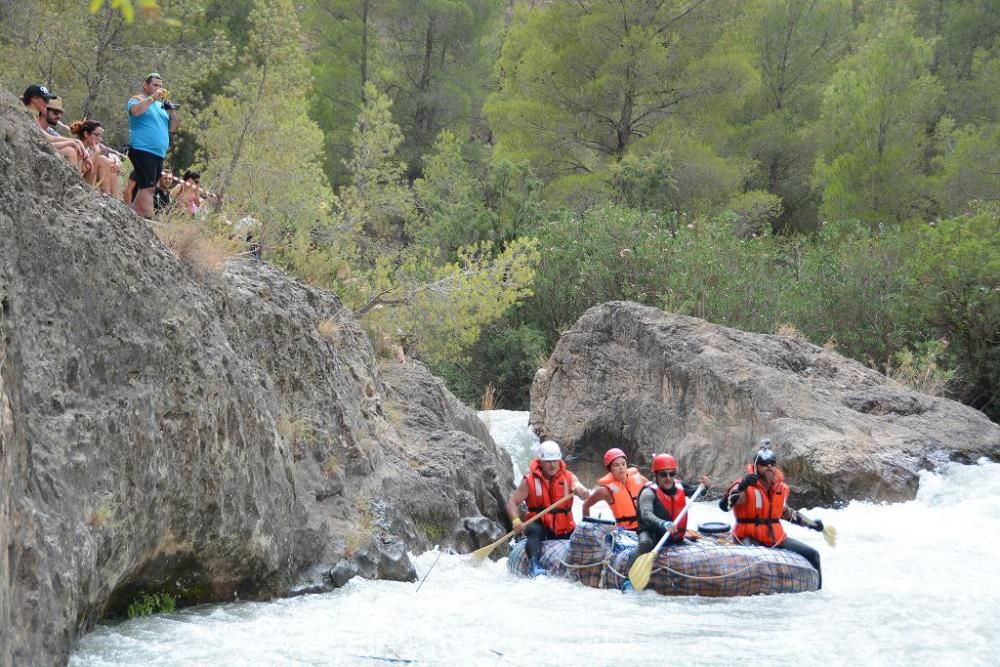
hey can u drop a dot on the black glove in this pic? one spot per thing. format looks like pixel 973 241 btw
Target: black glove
pixel 747 481
pixel 817 525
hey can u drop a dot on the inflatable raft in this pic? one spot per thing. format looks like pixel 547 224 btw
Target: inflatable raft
pixel 596 555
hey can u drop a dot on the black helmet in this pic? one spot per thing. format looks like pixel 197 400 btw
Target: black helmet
pixel 765 455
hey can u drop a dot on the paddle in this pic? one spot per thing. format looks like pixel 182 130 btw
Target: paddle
pixel 639 573
pixel 829 532
pixel 479 555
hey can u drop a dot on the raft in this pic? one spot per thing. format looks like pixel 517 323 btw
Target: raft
pixel 596 555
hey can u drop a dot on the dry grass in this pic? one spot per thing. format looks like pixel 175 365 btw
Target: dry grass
pixel 364 530
pixel 830 345
pixel 297 428
pixel 394 413
pixel 921 371
pixel 330 328
pixel 489 400
pixel 788 329
pixel 194 245
pixel 331 466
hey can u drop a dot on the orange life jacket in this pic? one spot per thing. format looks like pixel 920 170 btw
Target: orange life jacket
pixel 667 508
pixel 758 514
pixel 542 492
pixel 624 497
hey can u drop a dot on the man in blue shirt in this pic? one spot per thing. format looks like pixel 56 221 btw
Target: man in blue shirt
pixel 150 123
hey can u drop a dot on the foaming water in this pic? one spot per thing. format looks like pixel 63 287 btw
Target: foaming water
pixel 907 583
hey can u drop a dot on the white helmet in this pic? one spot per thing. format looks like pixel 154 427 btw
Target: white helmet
pixel 549 451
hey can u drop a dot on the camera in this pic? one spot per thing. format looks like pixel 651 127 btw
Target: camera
pixel 168 105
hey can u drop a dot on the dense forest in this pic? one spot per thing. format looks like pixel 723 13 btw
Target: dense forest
pixel 471 175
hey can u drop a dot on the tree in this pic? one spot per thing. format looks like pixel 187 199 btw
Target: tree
pixel 875 119
pixel 461 203
pixel 378 200
pixel 795 45
pixel 258 147
pixel 583 83
pixel 342 47
pixel 436 58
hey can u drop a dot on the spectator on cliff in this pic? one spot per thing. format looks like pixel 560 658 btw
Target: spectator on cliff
pixel 37 99
pixel 104 174
pixel 150 124
pixel 161 197
pixel 186 194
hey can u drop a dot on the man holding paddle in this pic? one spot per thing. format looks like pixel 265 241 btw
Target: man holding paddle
pixel 547 483
pixel 758 501
pixel 662 510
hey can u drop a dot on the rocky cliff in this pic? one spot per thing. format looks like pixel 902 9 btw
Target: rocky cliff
pixel 166 428
pixel 648 381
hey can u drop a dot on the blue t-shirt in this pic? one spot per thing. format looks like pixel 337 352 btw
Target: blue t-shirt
pixel 150 130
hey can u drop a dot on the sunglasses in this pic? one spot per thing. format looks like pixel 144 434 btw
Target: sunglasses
pixel 766 463
pixel 667 473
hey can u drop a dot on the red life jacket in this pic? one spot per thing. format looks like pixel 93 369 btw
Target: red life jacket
pixel 542 492
pixel 667 508
pixel 624 497
pixel 758 514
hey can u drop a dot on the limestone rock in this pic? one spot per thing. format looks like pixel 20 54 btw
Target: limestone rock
pixel 635 377
pixel 169 428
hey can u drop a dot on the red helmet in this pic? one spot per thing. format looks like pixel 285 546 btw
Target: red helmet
pixel 611 455
pixel 664 462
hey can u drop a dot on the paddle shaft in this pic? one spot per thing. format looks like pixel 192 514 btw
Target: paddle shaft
pixel 486 550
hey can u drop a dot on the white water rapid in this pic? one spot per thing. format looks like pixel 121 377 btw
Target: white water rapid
pixel 908 584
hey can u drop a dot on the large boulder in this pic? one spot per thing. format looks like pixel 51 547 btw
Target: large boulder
pixel 648 381
pixel 166 427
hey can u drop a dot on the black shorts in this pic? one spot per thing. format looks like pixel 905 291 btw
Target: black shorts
pixel 147 168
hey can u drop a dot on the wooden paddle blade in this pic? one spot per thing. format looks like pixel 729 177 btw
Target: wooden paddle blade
pixel 639 573
pixel 830 535
pixel 482 553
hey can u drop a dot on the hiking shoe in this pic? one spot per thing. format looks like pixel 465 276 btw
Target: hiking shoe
pixel 535 569
pixel 627 587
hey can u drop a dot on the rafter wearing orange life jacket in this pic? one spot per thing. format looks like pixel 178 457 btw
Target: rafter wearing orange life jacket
pixel 542 492
pixel 667 507
pixel 624 497
pixel 758 513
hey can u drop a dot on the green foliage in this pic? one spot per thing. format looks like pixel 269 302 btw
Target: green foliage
pixel 459 204
pixel 954 292
pixel 876 112
pixel 378 199
pixel 149 604
pixel 921 369
pixel 258 146
pixel 445 305
pixel 581 83
pixel 756 213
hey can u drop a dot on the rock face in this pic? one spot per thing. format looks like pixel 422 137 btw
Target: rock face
pixel 635 377
pixel 166 428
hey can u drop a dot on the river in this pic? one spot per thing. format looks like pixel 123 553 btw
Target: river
pixel 908 583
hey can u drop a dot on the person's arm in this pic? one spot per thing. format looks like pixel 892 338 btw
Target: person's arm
pixel 174 120
pixel 689 489
pixel 599 494
pixel 513 504
pixel 734 494
pixel 139 106
pixel 579 489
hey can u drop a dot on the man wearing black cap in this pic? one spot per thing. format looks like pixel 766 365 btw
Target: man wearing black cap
pixel 37 97
pixel 149 126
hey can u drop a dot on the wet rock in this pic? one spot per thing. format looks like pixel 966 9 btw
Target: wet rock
pixel 386 558
pixel 343 572
pixel 477 532
pixel 647 381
